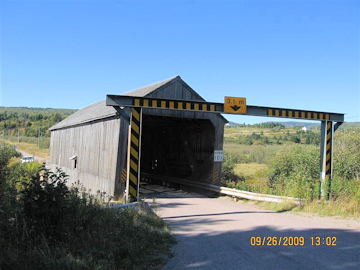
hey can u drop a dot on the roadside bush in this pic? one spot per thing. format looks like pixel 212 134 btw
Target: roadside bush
pixel 345 189
pixel 21 173
pixel 294 172
pixel 259 155
pixel 227 171
pixel 347 154
pixel 6 153
pixel 47 225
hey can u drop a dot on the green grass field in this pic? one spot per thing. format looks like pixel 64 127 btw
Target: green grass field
pixel 250 170
pixel 292 169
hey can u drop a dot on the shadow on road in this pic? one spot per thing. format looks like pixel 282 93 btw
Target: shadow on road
pixel 236 249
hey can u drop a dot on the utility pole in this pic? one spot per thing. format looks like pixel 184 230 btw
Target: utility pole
pixel 39 137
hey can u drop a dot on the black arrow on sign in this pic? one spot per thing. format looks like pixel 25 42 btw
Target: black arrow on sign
pixel 235 108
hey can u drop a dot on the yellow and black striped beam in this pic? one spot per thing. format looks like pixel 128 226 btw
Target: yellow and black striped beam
pixel 169 104
pixel 175 104
pixel 298 114
pixel 134 155
pixel 211 107
pixel 328 157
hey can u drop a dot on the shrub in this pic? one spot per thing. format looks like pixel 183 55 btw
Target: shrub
pixel 48 225
pixel 347 154
pixel 227 171
pixel 294 172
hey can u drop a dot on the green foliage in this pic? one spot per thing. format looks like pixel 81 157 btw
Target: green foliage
pixel 6 153
pixel 227 171
pixel 295 172
pixel 272 125
pixel 347 153
pixel 295 139
pixel 29 121
pixel 47 225
pixel 308 137
pixel 293 169
pixel 21 174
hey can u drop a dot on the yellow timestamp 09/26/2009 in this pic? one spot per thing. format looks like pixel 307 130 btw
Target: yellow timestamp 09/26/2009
pixel 293 241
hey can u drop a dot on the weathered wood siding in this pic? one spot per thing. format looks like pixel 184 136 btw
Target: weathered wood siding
pixel 218 145
pixel 120 183
pixel 96 147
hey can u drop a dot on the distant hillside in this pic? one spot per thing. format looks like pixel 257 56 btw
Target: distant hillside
pixel 316 124
pixel 311 125
pixel 297 124
pixel 28 122
pixel 349 125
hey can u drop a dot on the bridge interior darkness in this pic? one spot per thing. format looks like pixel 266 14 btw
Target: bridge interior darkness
pixel 176 147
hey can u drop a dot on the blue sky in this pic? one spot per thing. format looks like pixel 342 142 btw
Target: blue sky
pixel 292 54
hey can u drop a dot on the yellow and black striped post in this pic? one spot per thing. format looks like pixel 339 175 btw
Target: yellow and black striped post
pixel 133 175
pixel 329 140
pixel 327 131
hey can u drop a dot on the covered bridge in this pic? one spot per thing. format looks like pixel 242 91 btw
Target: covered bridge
pixel 91 145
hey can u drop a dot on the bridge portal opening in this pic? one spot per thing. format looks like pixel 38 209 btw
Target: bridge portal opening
pixel 176 148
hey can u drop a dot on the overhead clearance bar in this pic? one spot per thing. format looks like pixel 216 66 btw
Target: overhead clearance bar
pixel 212 107
pixel 231 105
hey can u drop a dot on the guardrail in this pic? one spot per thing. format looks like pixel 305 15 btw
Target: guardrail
pixel 134 206
pixel 226 191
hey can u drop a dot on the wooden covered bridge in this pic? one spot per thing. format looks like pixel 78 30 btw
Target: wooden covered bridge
pixel 91 146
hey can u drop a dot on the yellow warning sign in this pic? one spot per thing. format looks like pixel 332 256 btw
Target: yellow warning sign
pixel 235 105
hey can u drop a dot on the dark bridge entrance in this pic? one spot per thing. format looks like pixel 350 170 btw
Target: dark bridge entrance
pixel 177 147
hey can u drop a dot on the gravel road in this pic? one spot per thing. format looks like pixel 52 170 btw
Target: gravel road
pixel 215 233
pixel 37 158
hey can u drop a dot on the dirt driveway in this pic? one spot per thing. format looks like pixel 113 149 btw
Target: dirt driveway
pixel 39 159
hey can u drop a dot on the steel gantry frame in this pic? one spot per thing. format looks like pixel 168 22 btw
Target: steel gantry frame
pixel 329 124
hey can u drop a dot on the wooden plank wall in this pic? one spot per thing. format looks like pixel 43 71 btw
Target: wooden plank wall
pixel 96 147
pixel 218 145
pixel 121 168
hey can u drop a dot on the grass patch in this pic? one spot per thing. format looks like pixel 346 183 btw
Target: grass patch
pixel 278 207
pixel 249 130
pixel 250 169
pixel 345 208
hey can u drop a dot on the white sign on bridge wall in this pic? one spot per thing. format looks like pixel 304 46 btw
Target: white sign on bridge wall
pixel 218 155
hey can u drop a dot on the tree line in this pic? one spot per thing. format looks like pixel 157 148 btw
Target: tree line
pixel 300 137
pixel 30 122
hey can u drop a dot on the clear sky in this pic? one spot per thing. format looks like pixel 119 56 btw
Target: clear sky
pixel 301 54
